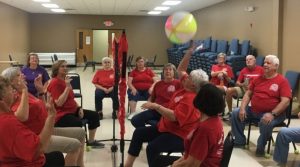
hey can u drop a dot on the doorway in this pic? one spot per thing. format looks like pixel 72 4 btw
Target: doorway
pixel 95 44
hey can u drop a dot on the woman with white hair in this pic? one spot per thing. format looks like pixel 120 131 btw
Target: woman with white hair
pixel 178 118
pixel 104 81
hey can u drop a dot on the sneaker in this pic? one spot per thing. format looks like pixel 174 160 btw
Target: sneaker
pixel 131 115
pixel 95 144
pixel 100 115
pixel 259 153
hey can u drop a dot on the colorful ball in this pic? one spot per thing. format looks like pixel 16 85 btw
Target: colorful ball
pixel 180 27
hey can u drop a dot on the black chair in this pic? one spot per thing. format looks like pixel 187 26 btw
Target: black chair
pixel 76 85
pixel 88 63
pixel 14 64
pixel 52 60
pixel 293 78
pixel 55 57
pixel 227 150
pixel 129 62
pixel 151 62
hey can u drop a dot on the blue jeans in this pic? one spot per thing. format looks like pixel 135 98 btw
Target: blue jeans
pixel 284 137
pixel 157 142
pixel 265 130
pixel 100 95
pixel 148 116
pixel 141 95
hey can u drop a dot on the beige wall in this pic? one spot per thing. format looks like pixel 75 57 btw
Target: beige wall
pixel 145 35
pixel 229 20
pixel 14 34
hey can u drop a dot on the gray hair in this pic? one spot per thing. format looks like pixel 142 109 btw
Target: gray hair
pixel 107 59
pixel 274 59
pixel 199 78
pixel 250 56
pixel 10 73
pixel 222 54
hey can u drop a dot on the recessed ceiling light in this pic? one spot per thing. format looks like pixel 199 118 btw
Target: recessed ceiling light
pixel 154 12
pixel 41 0
pixel 50 5
pixel 58 10
pixel 162 8
pixel 171 2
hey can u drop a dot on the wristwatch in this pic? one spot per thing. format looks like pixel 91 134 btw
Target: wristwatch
pixel 274 115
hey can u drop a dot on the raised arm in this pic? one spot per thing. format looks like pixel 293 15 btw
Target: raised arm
pixel 182 67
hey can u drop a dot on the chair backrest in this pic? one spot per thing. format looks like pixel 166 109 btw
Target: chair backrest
pixel 213 47
pixel 233 47
pixel 260 60
pixel 227 150
pixel 52 59
pixel 207 43
pixel 10 59
pixel 222 46
pixel 55 57
pixel 293 78
pixel 245 47
pixel 84 58
pixel 75 81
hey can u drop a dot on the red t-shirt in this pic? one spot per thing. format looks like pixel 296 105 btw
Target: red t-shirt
pixel 37 113
pixel 186 114
pixel 142 80
pixel 18 144
pixel 105 78
pixel 205 143
pixel 56 88
pixel 163 91
pixel 266 93
pixel 250 73
pixel 215 80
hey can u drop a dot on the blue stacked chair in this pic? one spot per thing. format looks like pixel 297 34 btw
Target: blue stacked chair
pixel 238 61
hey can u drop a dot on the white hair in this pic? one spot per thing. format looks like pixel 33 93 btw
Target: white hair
pixel 274 59
pixel 10 73
pixel 250 56
pixel 199 78
pixel 107 59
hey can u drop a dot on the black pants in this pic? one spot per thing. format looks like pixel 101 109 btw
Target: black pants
pixel 72 120
pixel 54 159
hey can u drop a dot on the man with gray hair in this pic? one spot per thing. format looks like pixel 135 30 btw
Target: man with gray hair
pixel 246 76
pixel 270 95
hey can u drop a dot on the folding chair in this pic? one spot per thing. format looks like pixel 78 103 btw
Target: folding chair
pixel 88 63
pixel 75 83
pixel 55 57
pixel 151 62
pixel 227 150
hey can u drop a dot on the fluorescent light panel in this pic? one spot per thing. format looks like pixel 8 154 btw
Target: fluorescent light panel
pixel 154 12
pixel 171 3
pixel 50 5
pixel 162 8
pixel 58 10
pixel 41 0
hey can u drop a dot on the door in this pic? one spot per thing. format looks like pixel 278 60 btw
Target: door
pixel 84 45
pixel 100 44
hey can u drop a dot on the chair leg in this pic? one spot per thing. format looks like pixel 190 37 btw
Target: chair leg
pixel 295 148
pixel 94 67
pixel 248 138
pixel 85 67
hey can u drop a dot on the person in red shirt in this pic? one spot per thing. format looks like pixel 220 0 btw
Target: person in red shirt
pixel 247 75
pixel 178 119
pixel 20 146
pixel 221 73
pixel 270 95
pixel 140 82
pixel 32 112
pixel 69 114
pixel 204 145
pixel 104 81
pixel 162 92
